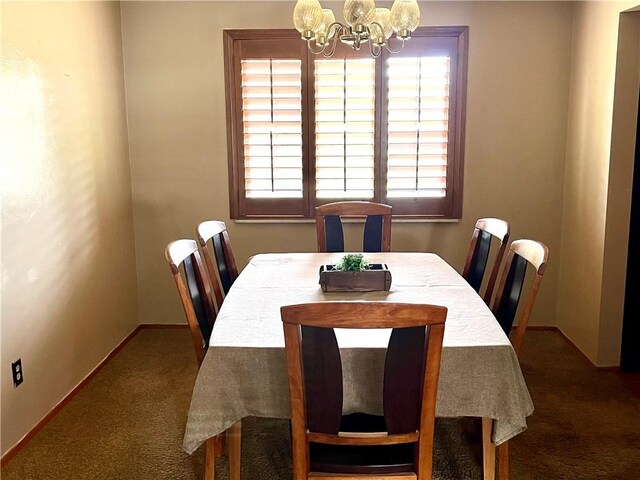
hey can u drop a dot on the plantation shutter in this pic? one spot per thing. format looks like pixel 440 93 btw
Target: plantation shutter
pixel 345 100
pixel 418 125
pixel 272 125
pixel 270 101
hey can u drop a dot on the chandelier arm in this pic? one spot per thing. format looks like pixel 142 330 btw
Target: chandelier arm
pixel 391 50
pixel 334 44
pixel 338 26
pixel 315 52
pixel 373 49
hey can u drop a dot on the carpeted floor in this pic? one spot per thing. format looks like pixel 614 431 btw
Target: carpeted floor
pixel 128 423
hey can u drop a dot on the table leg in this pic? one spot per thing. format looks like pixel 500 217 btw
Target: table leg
pixel 488 450
pixel 210 459
pixel 234 442
pixel 503 461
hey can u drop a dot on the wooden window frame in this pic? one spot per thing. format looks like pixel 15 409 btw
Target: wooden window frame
pixel 242 208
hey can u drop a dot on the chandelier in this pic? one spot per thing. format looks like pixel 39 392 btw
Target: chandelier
pixel 364 24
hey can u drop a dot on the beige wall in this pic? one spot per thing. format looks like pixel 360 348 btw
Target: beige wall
pixel 597 180
pixel 68 276
pixel 519 58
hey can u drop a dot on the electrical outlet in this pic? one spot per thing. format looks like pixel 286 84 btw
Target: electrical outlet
pixel 16 371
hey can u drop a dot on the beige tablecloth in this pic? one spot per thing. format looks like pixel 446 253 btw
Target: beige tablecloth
pixel 244 372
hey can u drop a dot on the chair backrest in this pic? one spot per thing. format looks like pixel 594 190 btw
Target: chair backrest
pixel 410 378
pixel 377 228
pixel 195 292
pixel 505 306
pixel 478 255
pixel 225 263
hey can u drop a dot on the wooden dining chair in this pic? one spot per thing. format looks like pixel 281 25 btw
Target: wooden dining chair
pixel 195 294
pixel 478 256
pixel 377 228
pixel 225 263
pixel 521 254
pixel 330 445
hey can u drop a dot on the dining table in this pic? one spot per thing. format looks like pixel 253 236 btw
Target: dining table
pixel 244 372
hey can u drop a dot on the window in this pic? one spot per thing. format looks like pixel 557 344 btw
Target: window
pixel 304 130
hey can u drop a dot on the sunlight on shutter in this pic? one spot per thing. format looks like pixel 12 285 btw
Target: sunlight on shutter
pixel 418 124
pixel 345 126
pixel 272 125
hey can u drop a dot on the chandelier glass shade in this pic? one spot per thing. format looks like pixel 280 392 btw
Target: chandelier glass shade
pixel 364 23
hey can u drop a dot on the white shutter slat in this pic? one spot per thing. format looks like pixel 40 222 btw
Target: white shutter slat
pixel 283 103
pixel 423 126
pixel 272 127
pixel 275 139
pixel 425 172
pixel 412 137
pixel 411 193
pixel 417 126
pixel 427 114
pixel 423 160
pixel 344 127
pixel 335 138
pixel 351 127
pixel 361 173
pixel 277 173
pixel 338 161
pixel 352 103
pixel 268 162
pixel 335 116
pixel 421 148
pixel 348 150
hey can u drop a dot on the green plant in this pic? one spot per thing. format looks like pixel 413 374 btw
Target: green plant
pixel 353 262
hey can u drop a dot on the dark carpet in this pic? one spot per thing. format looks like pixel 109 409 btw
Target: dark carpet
pixel 127 423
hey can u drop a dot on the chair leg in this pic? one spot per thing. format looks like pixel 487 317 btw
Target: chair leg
pixel 234 443
pixel 503 461
pixel 210 459
pixel 221 444
pixel 488 450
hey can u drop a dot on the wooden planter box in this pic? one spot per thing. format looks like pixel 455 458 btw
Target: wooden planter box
pixel 377 278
